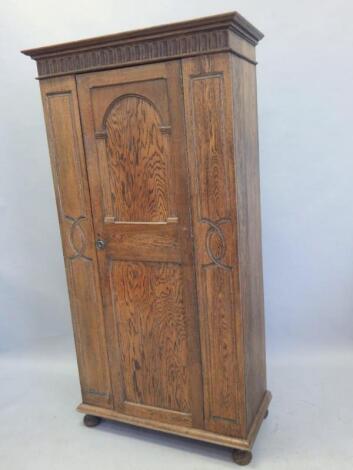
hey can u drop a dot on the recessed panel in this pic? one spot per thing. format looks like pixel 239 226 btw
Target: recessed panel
pixel 209 144
pixel 67 169
pixel 221 348
pixel 150 315
pixel 137 153
pixel 90 338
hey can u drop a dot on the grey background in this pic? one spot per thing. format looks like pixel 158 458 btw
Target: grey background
pixel 305 93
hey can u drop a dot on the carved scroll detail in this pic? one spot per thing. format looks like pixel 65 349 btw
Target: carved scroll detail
pixel 75 226
pixel 213 230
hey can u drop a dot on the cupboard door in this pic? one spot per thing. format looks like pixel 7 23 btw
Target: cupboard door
pixel 72 196
pixel 209 119
pixel 134 137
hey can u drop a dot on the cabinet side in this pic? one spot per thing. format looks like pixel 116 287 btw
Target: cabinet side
pixel 62 119
pixel 249 231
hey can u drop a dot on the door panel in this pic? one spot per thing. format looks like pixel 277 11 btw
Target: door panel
pixel 133 127
pixel 137 153
pixel 149 310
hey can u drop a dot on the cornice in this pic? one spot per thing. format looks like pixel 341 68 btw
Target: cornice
pixel 188 38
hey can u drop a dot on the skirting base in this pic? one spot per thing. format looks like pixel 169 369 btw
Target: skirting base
pixel 192 433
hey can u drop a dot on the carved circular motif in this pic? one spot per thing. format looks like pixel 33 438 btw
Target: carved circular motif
pixel 215 231
pixel 78 244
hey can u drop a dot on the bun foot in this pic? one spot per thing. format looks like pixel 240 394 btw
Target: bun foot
pixel 242 457
pixel 91 421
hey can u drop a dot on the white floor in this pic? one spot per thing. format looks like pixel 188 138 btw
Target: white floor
pixel 310 425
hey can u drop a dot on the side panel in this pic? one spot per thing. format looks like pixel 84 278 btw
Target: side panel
pixel 72 197
pixel 208 107
pixel 249 217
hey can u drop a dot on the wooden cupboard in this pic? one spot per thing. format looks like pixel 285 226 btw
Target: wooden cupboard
pixel 154 150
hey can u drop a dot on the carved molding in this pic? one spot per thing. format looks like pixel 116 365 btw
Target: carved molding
pixel 132 53
pixel 213 230
pixel 225 32
pixel 79 250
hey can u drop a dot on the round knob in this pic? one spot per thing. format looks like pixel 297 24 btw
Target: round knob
pixel 100 244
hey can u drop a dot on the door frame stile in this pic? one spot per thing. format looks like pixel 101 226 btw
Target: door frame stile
pixel 191 228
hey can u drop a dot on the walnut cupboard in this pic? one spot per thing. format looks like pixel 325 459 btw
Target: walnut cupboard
pixel 154 151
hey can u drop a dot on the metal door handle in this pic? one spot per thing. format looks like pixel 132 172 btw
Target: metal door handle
pixel 100 244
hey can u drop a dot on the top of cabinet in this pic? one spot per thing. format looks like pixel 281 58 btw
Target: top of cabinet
pixel 228 32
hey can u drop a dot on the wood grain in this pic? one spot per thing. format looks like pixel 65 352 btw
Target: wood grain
pixel 208 143
pixel 245 443
pixel 137 151
pixel 168 307
pixel 249 232
pixel 208 105
pixel 72 197
pixel 150 315
pixel 222 374
pixel 225 32
pixel 146 268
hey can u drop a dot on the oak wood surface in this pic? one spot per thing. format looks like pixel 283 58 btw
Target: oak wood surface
pixel 156 176
pixel 140 210
pixel 245 443
pixel 249 231
pixel 73 203
pixel 226 32
pixel 208 107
